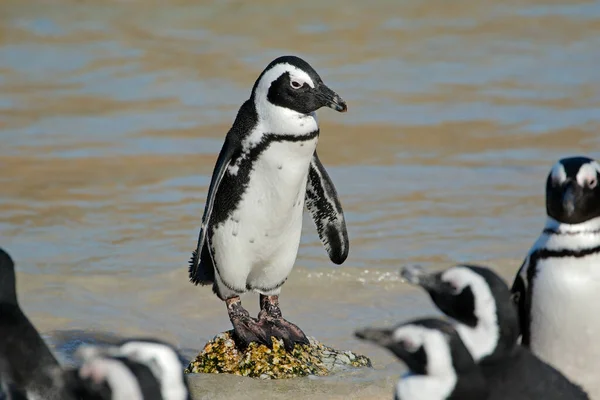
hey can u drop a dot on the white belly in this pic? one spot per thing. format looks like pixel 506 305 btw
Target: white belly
pixel 565 325
pixel 258 244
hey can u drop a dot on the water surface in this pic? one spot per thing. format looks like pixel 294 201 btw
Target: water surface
pixel 112 114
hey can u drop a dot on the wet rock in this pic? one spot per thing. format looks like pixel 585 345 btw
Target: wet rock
pixel 221 356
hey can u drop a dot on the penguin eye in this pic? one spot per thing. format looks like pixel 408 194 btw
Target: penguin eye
pixel 295 84
pixel 592 183
pixel 409 345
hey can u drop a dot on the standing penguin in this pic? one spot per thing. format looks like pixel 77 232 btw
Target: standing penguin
pixel 441 367
pixel 26 361
pixel 557 289
pixel 267 170
pixel 480 301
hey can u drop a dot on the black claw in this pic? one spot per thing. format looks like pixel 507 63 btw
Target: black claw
pixel 247 330
pixel 279 331
pixel 289 333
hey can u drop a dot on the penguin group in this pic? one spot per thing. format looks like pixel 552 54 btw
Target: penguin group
pixel 135 369
pixel 535 340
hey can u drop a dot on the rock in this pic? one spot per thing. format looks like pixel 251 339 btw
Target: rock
pixel 221 356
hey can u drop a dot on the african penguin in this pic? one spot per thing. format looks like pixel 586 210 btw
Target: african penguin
pixel 557 289
pixel 487 321
pixel 267 170
pixel 26 361
pixel 137 369
pixel 441 367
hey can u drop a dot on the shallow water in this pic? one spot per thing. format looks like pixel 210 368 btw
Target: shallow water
pixel 112 113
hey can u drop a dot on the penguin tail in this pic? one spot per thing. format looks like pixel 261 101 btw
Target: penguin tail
pixel 201 271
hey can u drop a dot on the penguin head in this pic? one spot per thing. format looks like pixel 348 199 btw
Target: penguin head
pixel 164 362
pixel 102 378
pixel 429 347
pixel 572 190
pixel 290 83
pixel 8 289
pixel 154 356
pixel 476 297
pixel 424 345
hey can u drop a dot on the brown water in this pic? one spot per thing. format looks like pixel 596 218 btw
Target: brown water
pixel 112 113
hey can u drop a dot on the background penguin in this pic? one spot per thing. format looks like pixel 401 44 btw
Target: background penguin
pixel 137 369
pixel 25 359
pixel 267 170
pixel 440 365
pixel 480 301
pixel 557 289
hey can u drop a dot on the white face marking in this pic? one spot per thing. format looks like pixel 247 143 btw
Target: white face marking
pixel 123 384
pixel 558 173
pixel 435 344
pixel 483 338
pixel 441 377
pixel 164 364
pixel 587 176
pixel 161 359
pixel 276 119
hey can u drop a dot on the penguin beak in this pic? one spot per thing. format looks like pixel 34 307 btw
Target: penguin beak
pixel 385 339
pixel 331 99
pixel 417 275
pixel 568 198
pixel 382 337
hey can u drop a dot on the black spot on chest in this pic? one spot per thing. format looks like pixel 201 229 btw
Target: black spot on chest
pixel 234 186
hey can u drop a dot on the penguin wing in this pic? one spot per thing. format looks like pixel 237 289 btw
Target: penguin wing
pixel 230 147
pixel 323 203
pixel 521 299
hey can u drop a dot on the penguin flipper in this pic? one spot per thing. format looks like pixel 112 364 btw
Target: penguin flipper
pixel 520 296
pixel 326 210
pixel 201 270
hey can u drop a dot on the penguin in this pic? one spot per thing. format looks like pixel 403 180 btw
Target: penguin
pixel 557 288
pixel 26 361
pixel 267 171
pixel 487 321
pixel 440 365
pixel 136 369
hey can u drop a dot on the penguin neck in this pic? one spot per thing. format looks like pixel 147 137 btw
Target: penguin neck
pixel 591 226
pixel 483 338
pixel 432 387
pixel 281 120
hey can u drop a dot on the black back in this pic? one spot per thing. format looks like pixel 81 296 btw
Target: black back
pixel 26 358
pixel 524 376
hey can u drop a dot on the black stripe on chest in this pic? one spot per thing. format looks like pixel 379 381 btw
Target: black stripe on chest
pixel 532 271
pixel 233 186
pixel 550 231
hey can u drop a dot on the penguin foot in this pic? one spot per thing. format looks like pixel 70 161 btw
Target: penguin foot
pixel 288 332
pixel 246 329
pixel 271 318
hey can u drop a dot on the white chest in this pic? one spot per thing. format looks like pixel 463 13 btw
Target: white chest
pixel 269 214
pixel 277 185
pixel 565 322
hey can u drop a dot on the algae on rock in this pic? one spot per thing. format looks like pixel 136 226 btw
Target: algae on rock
pixel 221 356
